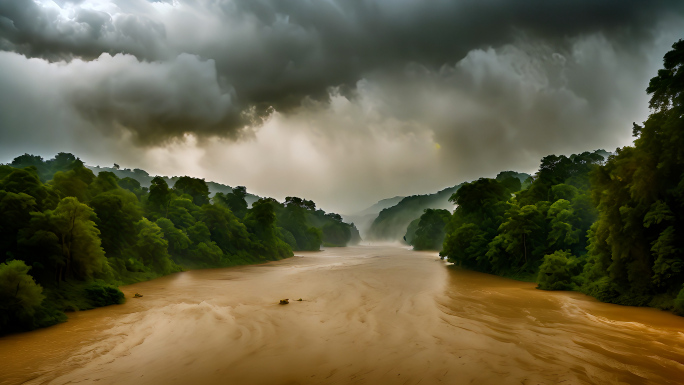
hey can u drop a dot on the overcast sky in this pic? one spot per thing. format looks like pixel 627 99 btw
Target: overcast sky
pixel 341 101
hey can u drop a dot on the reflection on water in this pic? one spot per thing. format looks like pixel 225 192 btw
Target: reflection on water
pixel 369 315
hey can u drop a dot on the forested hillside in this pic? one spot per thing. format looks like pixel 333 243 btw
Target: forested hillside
pixel 391 223
pixel 69 237
pixel 427 232
pixel 610 229
pixel 364 219
pixel 400 221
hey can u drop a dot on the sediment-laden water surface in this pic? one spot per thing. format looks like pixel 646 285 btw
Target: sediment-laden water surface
pixel 368 315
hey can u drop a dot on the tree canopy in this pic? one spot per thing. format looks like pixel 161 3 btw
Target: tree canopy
pixel 70 236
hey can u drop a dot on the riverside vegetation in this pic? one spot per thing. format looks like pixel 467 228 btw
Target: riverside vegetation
pixel 611 228
pixel 69 237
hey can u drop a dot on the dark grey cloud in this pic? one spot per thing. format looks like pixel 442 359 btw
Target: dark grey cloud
pixel 149 102
pixel 37 30
pixel 153 101
pixel 275 53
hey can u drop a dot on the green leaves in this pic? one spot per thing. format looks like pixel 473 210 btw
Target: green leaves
pixel 160 195
pixel 557 271
pixel 72 223
pixel 636 246
pixel 563 234
pixel 151 247
pixel 101 294
pixel 659 212
pixel 15 209
pixel 480 196
pixel 336 233
pixel 20 296
pixel 430 233
pixel 235 201
pixel 117 211
pixel 195 187
pixel 73 183
pixel 177 239
pixel 493 231
pixel 522 231
pixel 666 88
pixel 669 263
pixel 18 290
pixel 466 245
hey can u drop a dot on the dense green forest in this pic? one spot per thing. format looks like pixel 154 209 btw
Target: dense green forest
pixel 69 237
pixel 427 232
pixel 611 228
pixel 503 228
pixel 145 180
pixel 401 220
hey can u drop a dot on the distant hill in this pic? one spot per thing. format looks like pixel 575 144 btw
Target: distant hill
pixel 381 205
pixel 364 218
pixel 391 223
pixel 145 180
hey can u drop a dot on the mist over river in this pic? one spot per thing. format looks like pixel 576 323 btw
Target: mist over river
pixel 369 315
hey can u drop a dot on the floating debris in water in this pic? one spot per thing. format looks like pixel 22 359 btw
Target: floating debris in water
pixel 284 301
pixel 136 295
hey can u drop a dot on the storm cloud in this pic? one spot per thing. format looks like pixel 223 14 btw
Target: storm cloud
pixel 406 96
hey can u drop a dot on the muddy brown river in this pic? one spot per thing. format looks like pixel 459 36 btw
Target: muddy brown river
pixel 368 315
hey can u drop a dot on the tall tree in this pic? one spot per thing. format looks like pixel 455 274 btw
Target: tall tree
pixel 117 212
pixel 73 224
pixel 430 233
pixel 20 296
pixel 160 196
pixel 151 247
pixel 195 187
pixel 635 251
pixel 235 201
pixel 15 209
